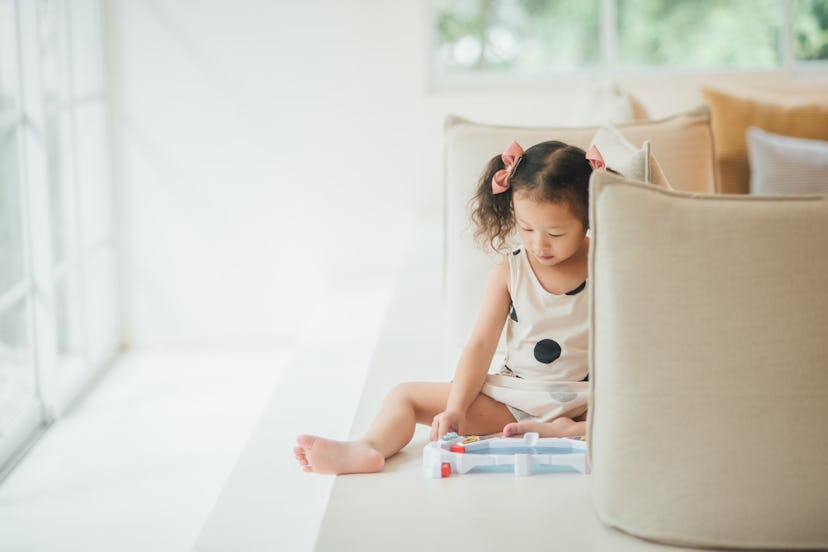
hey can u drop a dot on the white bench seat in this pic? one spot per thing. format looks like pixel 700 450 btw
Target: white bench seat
pixel 401 509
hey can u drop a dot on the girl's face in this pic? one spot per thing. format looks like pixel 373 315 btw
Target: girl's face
pixel 549 231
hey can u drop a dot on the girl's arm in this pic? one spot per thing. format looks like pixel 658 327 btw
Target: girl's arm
pixel 477 354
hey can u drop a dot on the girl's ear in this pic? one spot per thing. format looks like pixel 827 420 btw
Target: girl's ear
pixel 596 160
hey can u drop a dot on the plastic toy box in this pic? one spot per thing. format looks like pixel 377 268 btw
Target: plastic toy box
pixel 523 455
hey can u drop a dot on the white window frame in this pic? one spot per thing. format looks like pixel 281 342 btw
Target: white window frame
pixel 57 386
pixel 609 65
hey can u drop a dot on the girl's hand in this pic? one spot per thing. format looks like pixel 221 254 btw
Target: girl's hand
pixel 446 421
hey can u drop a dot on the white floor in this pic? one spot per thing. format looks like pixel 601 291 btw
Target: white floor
pixel 140 462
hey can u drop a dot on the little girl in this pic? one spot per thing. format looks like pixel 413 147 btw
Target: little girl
pixel 538 289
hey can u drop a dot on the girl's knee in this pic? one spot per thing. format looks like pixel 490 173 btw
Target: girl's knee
pixel 400 391
pixel 403 393
pixel 425 398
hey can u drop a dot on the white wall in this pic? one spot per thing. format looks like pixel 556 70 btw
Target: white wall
pixel 266 148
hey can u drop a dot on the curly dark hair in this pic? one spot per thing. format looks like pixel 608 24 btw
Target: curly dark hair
pixel 549 171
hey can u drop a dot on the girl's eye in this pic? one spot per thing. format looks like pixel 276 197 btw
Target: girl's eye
pixel 526 229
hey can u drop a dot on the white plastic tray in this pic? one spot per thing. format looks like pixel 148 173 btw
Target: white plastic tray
pixel 523 455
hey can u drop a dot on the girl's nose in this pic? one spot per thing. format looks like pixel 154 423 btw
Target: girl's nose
pixel 540 243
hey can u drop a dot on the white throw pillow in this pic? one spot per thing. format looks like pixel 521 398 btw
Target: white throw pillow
pixel 623 157
pixel 606 103
pixel 786 165
pixel 708 366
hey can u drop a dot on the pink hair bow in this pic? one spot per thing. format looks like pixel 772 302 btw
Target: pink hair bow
pixel 596 160
pixel 511 157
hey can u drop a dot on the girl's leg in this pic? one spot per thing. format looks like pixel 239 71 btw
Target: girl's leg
pixel 390 431
pixel 412 403
pixel 392 428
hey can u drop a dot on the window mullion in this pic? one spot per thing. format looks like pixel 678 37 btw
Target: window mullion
pixel 13 296
pixel 786 40
pixel 76 236
pixel 36 213
pixel 609 36
pixel 10 118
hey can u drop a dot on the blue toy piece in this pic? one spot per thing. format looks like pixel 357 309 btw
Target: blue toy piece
pixel 523 455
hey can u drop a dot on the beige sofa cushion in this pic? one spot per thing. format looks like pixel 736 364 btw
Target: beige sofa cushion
pixel 709 365
pixel 685 156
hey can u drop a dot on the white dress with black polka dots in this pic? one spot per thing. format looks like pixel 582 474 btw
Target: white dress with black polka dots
pixel 545 372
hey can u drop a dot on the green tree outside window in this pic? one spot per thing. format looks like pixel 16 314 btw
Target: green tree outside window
pixel 534 37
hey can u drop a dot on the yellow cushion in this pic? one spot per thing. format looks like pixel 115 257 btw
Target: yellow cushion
pixel 789 114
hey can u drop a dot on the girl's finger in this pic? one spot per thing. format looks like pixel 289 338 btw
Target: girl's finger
pixel 445 427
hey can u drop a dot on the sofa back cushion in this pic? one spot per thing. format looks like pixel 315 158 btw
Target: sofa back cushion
pixel 682 144
pixel 709 365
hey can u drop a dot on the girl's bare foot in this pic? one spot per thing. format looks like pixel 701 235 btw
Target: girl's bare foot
pixel 320 455
pixel 559 427
pixel 517 429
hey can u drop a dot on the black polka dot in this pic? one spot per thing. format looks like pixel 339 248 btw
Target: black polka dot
pixel 563 396
pixel 547 350
pixel 513 314
pixel 516 252
pixel 577 290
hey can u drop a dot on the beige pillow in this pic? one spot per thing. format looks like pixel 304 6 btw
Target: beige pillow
pixel 682 143
pixel 708 366
pixel 790 114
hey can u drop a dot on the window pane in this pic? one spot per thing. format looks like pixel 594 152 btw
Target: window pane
pixel 60 175
pixel 87 56
pixel 17 383
pixel 809 19
pixel 53 56
pixel 699 33
pixel 8 57
pixel 93 173
pixel 67 316
pixel 11 242
pixel 519 36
